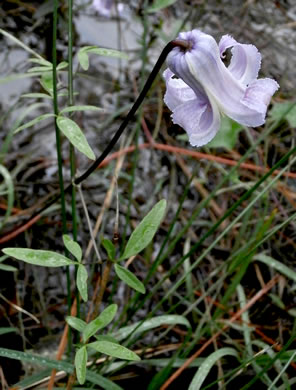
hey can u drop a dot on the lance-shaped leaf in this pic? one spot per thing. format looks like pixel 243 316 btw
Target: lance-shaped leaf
pixel 33 122
pixel 109 247
pixel 38 257
pixel 81 281
pixel 76 323
pixel 72 246
pixel 80 108
pixel 129 278
pixel 85 51
pixel 74 134
pixel 114 350
pixel 80 364
pixel 160 4
pixel 100 322
pixel 145 231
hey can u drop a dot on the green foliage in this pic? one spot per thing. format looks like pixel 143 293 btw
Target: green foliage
pixel 159 5
pixel 36 95
pixel 38 257
pixel 145 231
pixel 10 194
pixel 33 122
pixel 285 110
pixel 81 281
pixel 80 364
pixel 7 330
pixel 100 322
pixel 110 248
pixel 80 108
pixel 76 323
pixel 140 327
pixel 227 134
pixel 74 134
pixel 86 50
pixel 277 265
pixel 129 278
pixel 47 82
pixel 73 247
pixel 206 366
pixel 114 350
pixel 59 365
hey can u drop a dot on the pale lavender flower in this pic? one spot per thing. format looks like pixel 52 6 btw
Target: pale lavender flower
pixel 205 88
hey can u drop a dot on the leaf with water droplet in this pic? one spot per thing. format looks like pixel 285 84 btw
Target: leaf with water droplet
pixel 114 350
pixel 38 257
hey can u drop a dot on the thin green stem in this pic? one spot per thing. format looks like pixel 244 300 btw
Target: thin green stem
pixel 72 151
pixel 58 141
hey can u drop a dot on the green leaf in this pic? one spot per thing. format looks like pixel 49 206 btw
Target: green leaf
pixel 129 278
pixel 114 350
pixel 91 376
pixel 33 122
pixel 5 267
pixel 277 265
pixel 7 330
pixel 81 281
pixel 100 322
pixel 110 248
pixel 36 95
pixel 10 195
pixel 83 59
pixel 278 112
pixel 85 51
pixel 31 381
pixel 154 322
pixel 80 364
pixel 62 65
pixel 74 134
pixel 206 366
pixel 73 247
pixel 277 301
pixel 160 4
pixel 39 69
pixel 80 108
pixel 227 134
pixel 106 337
pixel 38 257
pixel 47 82
pixel 40 61
pixel 76 323
pixel 145 231
pixel 21 44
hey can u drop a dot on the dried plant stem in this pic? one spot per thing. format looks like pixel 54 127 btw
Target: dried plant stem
pixel 104 281
pixel 89 224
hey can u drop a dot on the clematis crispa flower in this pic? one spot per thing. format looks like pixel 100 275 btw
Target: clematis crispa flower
pixel 200 88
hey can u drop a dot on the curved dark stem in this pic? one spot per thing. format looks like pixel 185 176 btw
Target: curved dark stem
pixel 134 108
pixel 184 45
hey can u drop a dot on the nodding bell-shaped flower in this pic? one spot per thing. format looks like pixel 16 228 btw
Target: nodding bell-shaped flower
pixel 200 88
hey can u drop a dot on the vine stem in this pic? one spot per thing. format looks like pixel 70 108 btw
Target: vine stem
pixel 171 45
